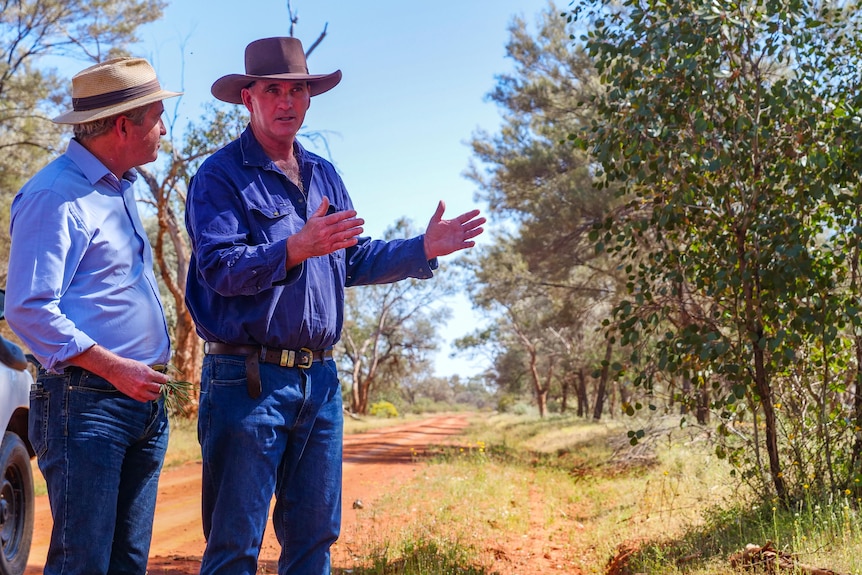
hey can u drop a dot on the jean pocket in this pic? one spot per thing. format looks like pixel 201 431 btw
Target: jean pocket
pixel 37 423
pixel 227 372
pixel 85 381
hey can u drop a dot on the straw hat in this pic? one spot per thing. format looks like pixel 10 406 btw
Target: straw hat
pixel 111 87
pixel 274 58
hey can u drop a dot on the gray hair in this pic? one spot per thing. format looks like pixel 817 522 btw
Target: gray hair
pixel 95 128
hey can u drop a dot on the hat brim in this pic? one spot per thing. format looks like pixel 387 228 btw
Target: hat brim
pixel 84 116
pixel 229 88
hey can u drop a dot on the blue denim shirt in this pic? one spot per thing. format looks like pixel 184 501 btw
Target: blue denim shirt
pixel 240 211
pixel 81 267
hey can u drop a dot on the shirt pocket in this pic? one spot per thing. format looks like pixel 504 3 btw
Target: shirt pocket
pixel 273 222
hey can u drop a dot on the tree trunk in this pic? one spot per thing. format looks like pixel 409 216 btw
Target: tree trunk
pixel 362 385
pixel 355 399
pixel 603 382
pixel 359 403
pixel 187 348
pixel 624 394
pixel 188 357
pixel 583 398
pixel 542 401
pixel 541 393
pixel 686 394
pixel 611 389
pixel 856 454
pixel 702 413
pixel 754 329
pixel 764 390
pixel 565 384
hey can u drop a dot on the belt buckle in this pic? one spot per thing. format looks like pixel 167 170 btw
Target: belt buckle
pixel 309 356
pixel 289 358
pixel 305 357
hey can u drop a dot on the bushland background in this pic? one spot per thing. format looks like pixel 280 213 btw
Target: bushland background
pixel 672 261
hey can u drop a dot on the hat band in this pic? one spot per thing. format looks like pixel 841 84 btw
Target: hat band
pixel 115 97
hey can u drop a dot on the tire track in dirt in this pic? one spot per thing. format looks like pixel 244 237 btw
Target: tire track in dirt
pixel 373 461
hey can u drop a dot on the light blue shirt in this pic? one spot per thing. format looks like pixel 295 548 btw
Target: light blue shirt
pixel 81 266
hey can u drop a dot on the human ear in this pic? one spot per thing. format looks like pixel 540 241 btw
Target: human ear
pixel 121 124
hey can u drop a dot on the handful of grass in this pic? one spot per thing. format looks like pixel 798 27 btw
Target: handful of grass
pixel 178 393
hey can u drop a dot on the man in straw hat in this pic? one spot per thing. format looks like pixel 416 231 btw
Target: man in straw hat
pixel 275 241
pixel 83 297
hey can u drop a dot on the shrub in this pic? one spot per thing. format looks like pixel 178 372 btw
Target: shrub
pixel 383 409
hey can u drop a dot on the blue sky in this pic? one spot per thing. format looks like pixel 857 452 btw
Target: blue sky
pixel 415 77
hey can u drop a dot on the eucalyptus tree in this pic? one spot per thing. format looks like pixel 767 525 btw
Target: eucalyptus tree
pixel 541 341
pixel 524 315
pixel 164 192
pixel 529 172
pixel 391 330
pixel 723 125
pixel 533 177
pixel 32 91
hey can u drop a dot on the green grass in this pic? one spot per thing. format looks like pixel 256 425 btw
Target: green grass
pixel 419 557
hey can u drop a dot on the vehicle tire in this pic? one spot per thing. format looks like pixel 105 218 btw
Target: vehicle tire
pixel 16 505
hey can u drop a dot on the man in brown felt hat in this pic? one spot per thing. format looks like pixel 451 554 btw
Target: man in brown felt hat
pixel 83 297
pixel 275 242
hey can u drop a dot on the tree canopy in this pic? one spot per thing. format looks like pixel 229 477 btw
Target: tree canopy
pixel 730 131
pixel 32 91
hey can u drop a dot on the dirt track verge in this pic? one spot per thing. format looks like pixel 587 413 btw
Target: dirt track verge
pixel 373 461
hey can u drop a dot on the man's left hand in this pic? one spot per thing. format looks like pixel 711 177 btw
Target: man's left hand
pixel 442 237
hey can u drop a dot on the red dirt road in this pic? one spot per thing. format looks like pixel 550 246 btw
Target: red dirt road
pixel 373 461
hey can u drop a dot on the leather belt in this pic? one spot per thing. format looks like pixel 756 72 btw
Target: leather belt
pixel 254 354
pixel 160 367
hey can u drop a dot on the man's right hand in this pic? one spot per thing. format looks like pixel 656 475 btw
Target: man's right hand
pixel 133 378
pixel 323 234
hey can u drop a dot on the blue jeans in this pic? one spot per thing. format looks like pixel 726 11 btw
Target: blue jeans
pixel 100 452
pixel 286 443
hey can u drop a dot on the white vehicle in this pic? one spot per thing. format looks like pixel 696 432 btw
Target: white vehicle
pixel 16 477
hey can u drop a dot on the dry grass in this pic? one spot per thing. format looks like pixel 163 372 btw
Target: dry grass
pixel 524 495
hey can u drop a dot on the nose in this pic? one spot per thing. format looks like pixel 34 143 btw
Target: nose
pixel 286 101
pixel 162 129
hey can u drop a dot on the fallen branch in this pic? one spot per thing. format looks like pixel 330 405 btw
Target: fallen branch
pixel 754 557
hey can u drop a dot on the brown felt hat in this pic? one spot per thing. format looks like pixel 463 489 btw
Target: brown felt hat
pixel 279 58
pixel 112 87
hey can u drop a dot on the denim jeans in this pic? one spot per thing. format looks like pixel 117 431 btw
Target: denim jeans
pixel 285 443
pixel 100 452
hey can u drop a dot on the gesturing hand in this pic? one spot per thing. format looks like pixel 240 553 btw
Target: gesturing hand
pixel 323 234
pixel 442 237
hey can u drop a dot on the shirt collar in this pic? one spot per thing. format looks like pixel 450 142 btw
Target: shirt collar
pixel 253 154
pixel 92 168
